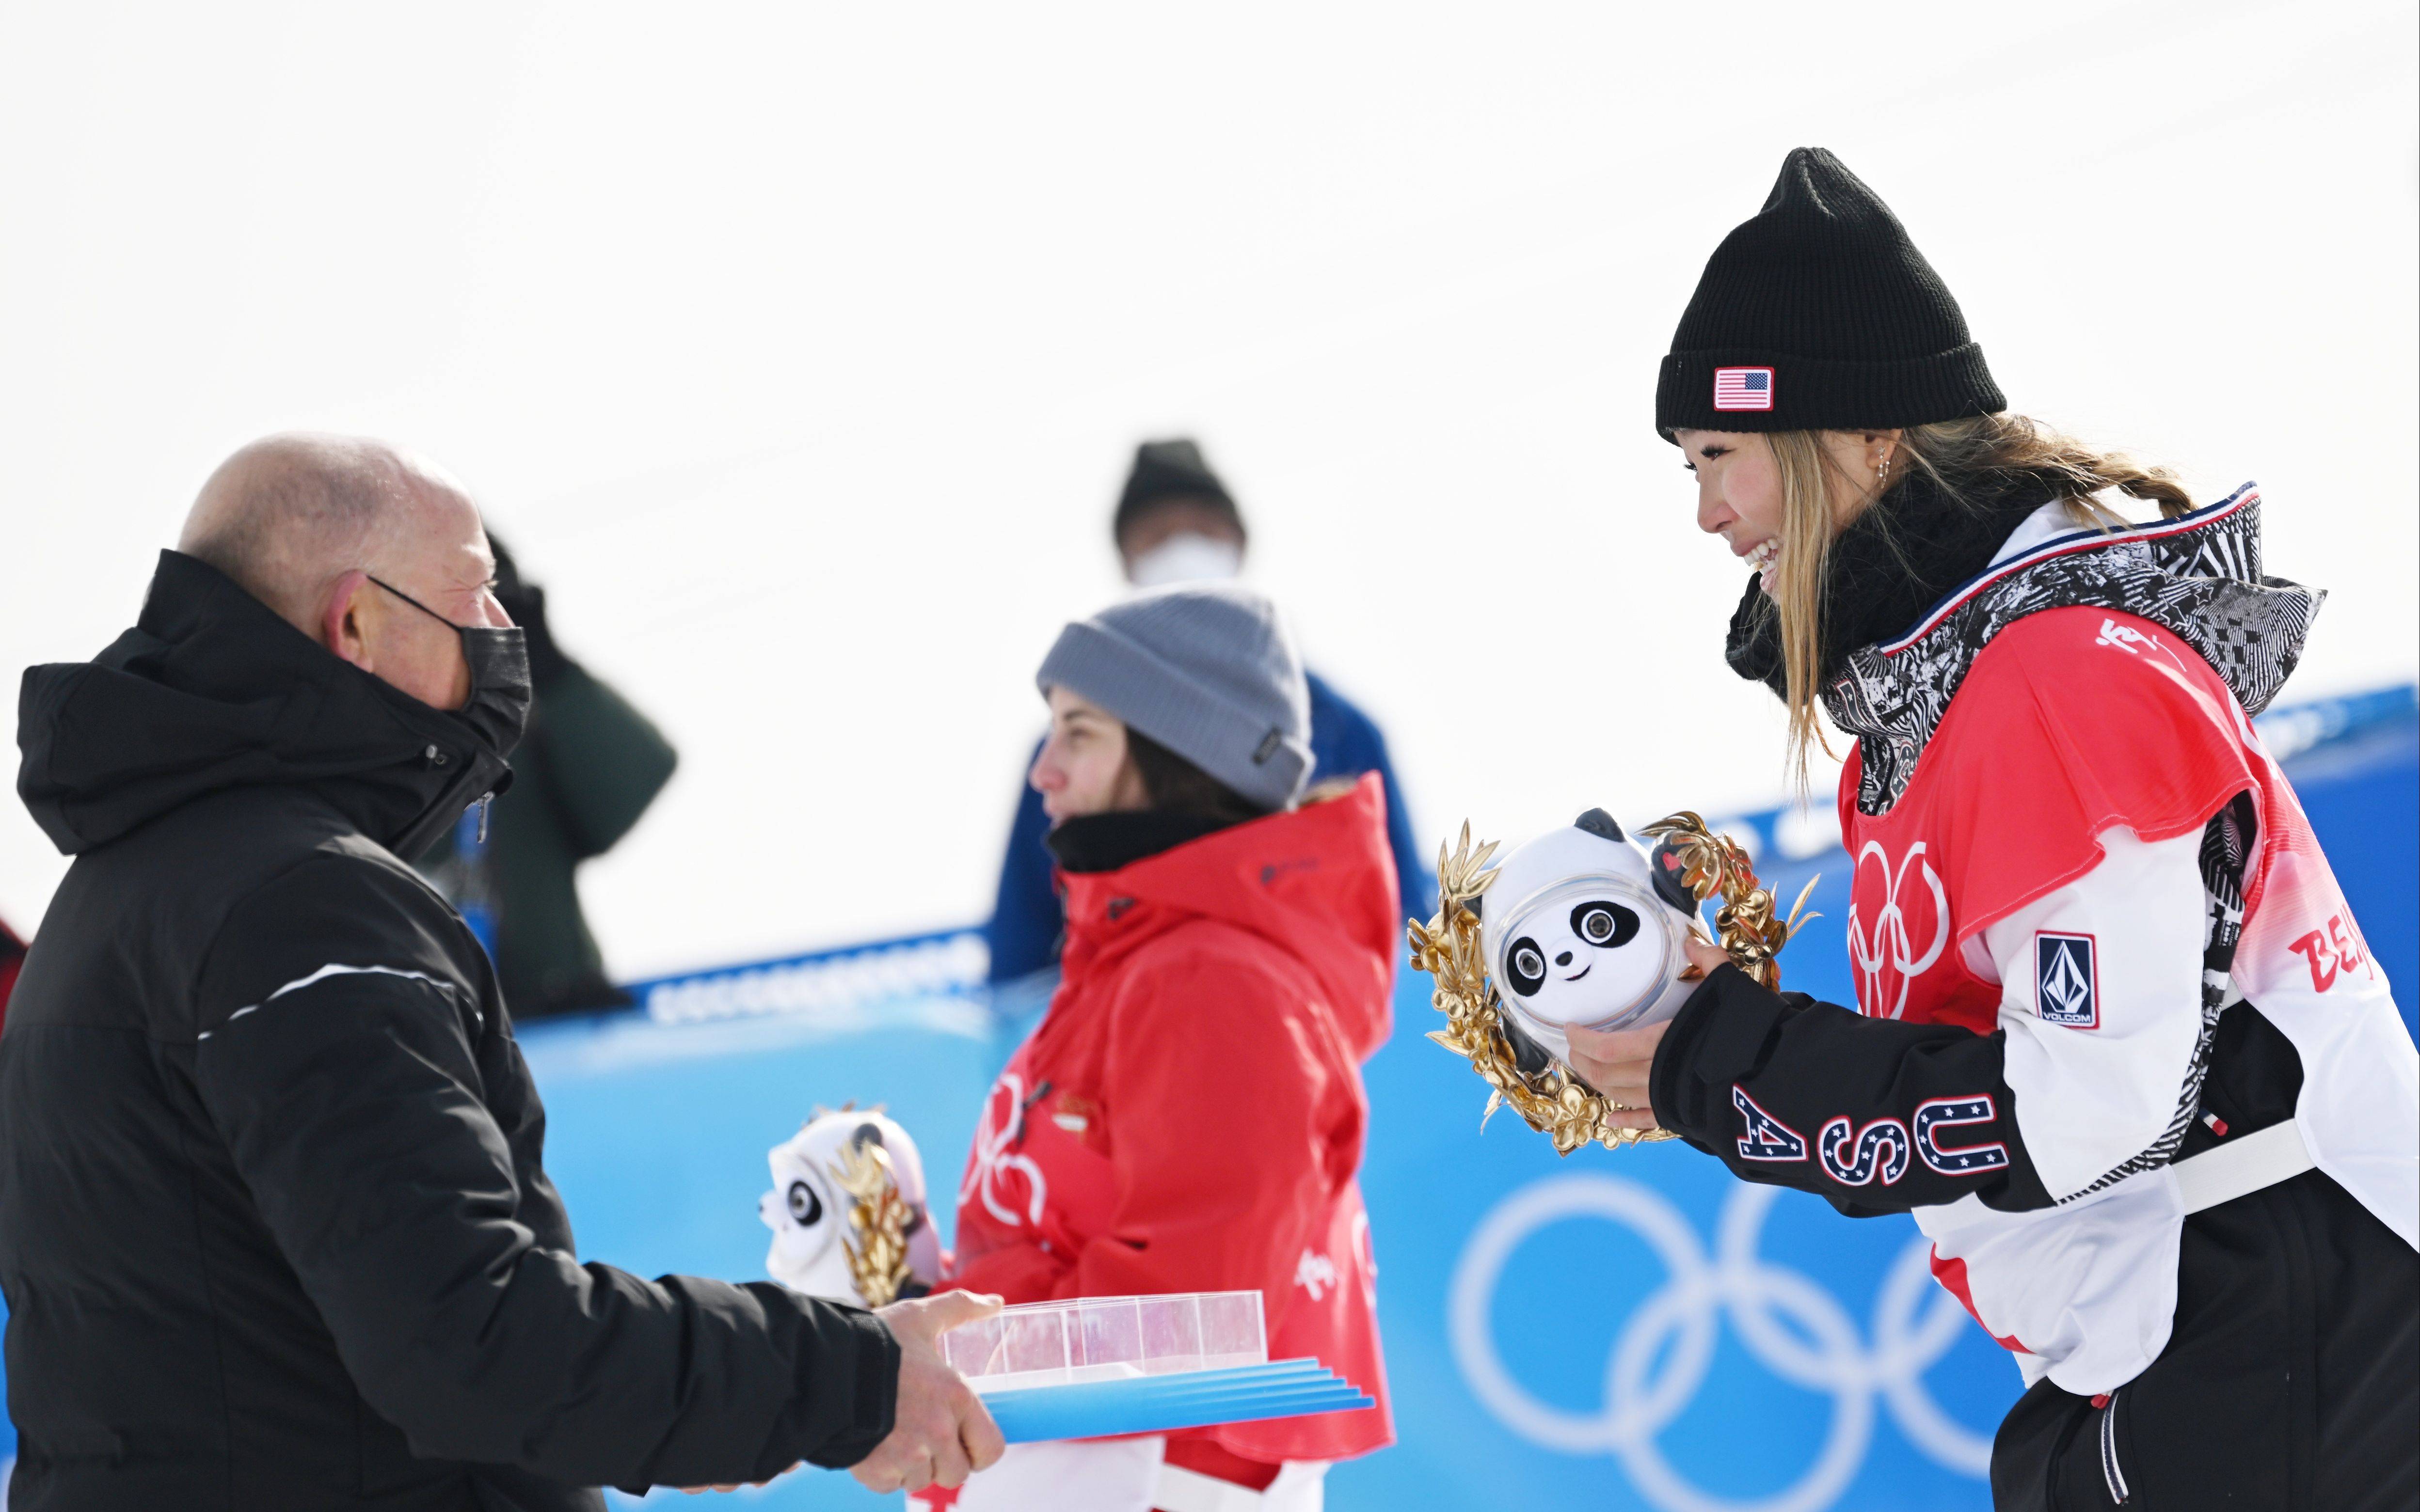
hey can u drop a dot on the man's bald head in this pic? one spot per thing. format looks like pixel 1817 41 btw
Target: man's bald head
pixel 287 516
pixel 333 532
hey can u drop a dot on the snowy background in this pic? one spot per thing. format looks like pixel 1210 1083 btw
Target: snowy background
pixel 798 351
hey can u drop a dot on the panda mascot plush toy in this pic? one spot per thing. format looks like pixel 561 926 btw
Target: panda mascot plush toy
pixel 1580 926
pixel 848 1211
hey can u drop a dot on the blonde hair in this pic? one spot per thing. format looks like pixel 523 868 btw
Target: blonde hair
pixel 1957 455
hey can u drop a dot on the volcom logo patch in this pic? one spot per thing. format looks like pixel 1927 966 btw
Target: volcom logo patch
pixel 2067 987
pixel 1767 1137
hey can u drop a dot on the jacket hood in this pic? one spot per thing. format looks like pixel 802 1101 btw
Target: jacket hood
pixel 2198 575
pixel 212 690
pixel 1317 882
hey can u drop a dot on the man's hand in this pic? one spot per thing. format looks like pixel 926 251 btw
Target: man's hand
pixel 940 1432
pixel 1616 1064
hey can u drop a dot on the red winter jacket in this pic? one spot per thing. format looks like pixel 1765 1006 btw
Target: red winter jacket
pixel 1189 1116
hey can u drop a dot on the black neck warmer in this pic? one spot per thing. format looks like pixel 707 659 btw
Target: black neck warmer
pixel 1108 841
pixel 1894 562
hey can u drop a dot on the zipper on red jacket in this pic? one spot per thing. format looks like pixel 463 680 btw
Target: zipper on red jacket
pixel 1016 1136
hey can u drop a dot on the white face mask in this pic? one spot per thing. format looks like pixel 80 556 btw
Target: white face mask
pixel 1186 557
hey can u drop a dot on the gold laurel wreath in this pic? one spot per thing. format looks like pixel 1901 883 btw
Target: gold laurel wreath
pixel 877 1241
pixel 1556 1101
pixel 1714 866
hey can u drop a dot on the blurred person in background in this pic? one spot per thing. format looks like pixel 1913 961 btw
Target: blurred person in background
pixel 275 1227
pixel 2122 1051
pixel 1188 1114
pixel 585 770
pixel 1177 523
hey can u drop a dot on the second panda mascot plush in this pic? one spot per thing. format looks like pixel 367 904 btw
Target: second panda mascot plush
pixel 815 1250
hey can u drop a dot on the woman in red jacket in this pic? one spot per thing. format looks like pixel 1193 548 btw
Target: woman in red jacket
pixel 1189 1116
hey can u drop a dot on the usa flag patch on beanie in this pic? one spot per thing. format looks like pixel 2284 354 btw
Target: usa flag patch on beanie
pixel 1743 388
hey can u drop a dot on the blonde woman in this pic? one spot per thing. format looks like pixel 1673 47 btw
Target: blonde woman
pixel 2119 1044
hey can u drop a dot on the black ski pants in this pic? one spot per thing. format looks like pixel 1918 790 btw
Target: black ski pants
pixel 2291 1382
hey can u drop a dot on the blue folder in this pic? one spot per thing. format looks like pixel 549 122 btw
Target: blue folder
pixel 1187 1399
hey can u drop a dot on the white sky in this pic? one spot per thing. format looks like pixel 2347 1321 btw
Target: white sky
pixel 799 350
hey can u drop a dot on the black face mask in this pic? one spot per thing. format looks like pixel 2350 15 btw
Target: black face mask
pixel 499 706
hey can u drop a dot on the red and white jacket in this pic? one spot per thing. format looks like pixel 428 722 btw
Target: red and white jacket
pixel 2044 919
pixel 1189 1116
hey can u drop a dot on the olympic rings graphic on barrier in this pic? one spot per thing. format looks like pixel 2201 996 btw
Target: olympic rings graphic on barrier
pixel 1699 1293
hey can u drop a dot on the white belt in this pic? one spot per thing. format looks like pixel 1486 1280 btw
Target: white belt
pixel 2243 1166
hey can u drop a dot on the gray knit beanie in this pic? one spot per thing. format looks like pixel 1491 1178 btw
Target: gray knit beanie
pixel 1205 669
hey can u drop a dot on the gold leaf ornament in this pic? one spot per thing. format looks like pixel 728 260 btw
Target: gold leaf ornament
pixel 879 1216
pixel 1555 1102
pixel 1714 866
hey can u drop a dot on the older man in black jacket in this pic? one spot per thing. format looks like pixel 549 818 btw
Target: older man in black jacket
pixel 274 1229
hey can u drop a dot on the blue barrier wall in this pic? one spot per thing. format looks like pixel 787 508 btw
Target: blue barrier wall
pixel 1616 1331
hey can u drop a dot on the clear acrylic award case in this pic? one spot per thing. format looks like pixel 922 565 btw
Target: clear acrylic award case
pixel 1109 1338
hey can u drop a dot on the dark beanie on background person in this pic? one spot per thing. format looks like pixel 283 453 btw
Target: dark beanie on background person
pixel 1819 313
pixel 1167 470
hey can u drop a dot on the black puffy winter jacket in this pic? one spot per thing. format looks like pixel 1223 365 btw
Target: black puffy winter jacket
pixel 274 1229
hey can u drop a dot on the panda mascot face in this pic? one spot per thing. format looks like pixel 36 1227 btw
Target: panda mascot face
pixel 1577 930
pixel 809 1213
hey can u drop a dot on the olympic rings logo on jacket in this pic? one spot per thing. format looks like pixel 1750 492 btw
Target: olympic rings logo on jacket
pixel 991 1158
pixel 1879 938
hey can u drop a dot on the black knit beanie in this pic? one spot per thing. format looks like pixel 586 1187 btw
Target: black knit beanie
pixel 1819 313
pixel 1165 471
